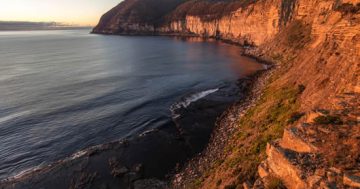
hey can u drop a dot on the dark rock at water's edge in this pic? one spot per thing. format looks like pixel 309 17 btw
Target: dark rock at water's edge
pixel 143 161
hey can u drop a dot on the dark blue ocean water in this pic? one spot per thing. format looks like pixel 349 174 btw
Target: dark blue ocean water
pixel 63 91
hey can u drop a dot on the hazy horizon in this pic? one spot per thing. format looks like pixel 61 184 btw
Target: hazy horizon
pixel 24 25
pixel 80 12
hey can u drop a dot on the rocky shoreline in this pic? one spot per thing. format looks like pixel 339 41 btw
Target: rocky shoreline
pixel 224 129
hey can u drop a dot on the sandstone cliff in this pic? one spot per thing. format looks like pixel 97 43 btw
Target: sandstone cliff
pixel 310 100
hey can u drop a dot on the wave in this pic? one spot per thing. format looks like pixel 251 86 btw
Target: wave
pixel 190 99
pixel 13 116
pixel 24 173
pixel 76 155
pixel 41 167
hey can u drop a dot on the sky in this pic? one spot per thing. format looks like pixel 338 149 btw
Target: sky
pixel 76 12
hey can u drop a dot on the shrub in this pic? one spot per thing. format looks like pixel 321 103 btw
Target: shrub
pixel 348 8
pixel 278 57
pixel 231 186
pixel 295 116
pixel 197 183
pixel 301 88
pixel 323 111
pixel 325 120
pixel 275 183
pixel 218 182
pixel 299 35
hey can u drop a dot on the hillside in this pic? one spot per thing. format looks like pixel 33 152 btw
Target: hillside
pixel 135 16
pixel 302 131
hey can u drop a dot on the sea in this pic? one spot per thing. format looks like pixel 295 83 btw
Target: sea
pixel 62 91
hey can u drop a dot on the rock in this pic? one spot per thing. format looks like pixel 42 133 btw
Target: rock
pixel 136 173
pixel 324 130
pixel 284 167
pixel 335 170
pixel 320 172
pixel 119 172
pixel 314 180
pixel 312 115
pixel 325 185
pixel 150 184
pixel 293 141
pixel 263 170
pixel 259 184
pixel 331 176
pixel 139 168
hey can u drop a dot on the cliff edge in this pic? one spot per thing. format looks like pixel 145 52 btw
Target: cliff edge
pixel 302 130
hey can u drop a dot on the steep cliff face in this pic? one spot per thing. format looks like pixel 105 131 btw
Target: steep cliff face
pixel 310 100
pixel 216 18
pixel 241 25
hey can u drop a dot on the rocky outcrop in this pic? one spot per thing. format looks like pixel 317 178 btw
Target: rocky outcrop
pixel 318 154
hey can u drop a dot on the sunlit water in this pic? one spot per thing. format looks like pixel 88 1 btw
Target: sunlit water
pixel 63 91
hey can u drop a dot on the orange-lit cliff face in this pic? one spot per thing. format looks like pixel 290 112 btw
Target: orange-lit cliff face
pixel 313 93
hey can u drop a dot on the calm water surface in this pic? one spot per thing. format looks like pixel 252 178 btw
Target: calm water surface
pixel 63 91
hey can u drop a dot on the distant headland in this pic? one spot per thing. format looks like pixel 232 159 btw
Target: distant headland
pixel 25 25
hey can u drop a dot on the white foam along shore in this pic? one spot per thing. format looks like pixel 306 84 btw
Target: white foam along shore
pixel 184 103
pixel 40 167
